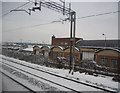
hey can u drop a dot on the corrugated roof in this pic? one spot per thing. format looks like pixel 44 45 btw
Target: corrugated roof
pixel 99 43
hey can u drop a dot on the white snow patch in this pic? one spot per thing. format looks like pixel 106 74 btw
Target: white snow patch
pixel 104 82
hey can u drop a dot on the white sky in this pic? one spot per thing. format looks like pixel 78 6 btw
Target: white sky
pixel 87 28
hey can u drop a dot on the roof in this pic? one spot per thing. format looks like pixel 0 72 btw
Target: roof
pixel 61 47
pixel 37 46
pixel 99 43
pixel 28 49
pixel 65 38
pixel 117 50
pixel 49 47
pixel 76 48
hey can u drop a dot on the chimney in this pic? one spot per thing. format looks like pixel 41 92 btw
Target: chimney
pixel 53 39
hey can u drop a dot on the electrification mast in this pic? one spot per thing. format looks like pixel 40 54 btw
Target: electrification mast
pixel 71 16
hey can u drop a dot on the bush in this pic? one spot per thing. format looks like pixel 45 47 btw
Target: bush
pixel 116 78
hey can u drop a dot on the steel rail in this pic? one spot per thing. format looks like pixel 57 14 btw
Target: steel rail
pixel 61 76
pixel 43 78
pixel 19 83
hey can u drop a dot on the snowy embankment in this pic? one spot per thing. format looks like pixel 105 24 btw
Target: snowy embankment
pixel 30 81
pixel 100 81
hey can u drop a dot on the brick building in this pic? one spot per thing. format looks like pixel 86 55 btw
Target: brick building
pixel 89 47
pixel 108 57
pixel 62 41
pixel 105 53
pixel 87 50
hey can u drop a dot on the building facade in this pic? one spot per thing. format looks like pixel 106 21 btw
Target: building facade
pixel 62 41
pixel 108 57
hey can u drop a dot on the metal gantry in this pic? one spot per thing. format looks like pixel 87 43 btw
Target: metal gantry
pixel 71 17
pixel 65 11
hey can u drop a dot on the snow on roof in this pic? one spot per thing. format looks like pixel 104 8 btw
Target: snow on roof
pixel 75 48
pixel 62 48
pixel 49 47
pixel 110 48
pixel 37 46
pixel 28 49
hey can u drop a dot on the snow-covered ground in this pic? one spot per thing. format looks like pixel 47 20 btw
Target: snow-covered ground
pixel 9 85
pixel 100 81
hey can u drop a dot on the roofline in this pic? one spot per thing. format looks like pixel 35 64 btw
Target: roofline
pixel 62 48
pixel 95 47
pixel 46 46
pixel 110 48
pixel 76 48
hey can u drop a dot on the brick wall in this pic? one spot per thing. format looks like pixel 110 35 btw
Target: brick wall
pixel 62 41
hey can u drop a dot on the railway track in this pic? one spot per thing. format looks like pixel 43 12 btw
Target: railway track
pixel 55 75
pixel 29 89
pixel 70 89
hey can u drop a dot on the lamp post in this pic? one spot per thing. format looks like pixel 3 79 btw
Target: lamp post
pixel 104 48
pixel 105 39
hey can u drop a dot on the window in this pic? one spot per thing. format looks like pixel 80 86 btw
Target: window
pixel 88 55
pixel 61 43
pixel 114 63
pixel 104 61
pixel 66 43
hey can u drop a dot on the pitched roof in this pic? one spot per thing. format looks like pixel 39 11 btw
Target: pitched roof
pixel 98 43
pixel 114 49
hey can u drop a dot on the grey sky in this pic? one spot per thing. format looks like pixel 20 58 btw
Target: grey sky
pixel 16 25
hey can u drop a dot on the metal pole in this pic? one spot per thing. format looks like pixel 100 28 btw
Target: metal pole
pixel 71 39
pixel 64 7
pixel 105 40
pixel 74 20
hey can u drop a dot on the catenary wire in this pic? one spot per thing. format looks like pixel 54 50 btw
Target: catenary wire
pixel 32 26
pixel 101 14
pixel 16 8
pixel 62 20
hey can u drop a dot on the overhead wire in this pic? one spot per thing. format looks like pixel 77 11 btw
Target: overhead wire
pixel 63 20
pixel 16 8
pixel 98 14
pixel 32 26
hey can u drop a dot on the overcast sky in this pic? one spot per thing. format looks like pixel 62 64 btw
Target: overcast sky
pixel 21 27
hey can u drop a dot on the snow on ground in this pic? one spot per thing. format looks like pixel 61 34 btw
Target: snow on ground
pixel 11 86
pixel 34 83
pixel 58 80
pixel 104 82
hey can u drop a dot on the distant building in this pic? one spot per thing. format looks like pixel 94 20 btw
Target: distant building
pixel 56 51
pixel 37 50
pixel 108 57
pixel 46 50
pixel 62 48
pixel 90 50
pixel 89 47
pixel 105 53
pixel 98 43
pixel 62 41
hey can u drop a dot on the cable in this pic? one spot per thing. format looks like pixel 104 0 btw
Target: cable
pixel 16 8
pixel 98 14
pixel 56 21
pixel 62 20
pixel 22 5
